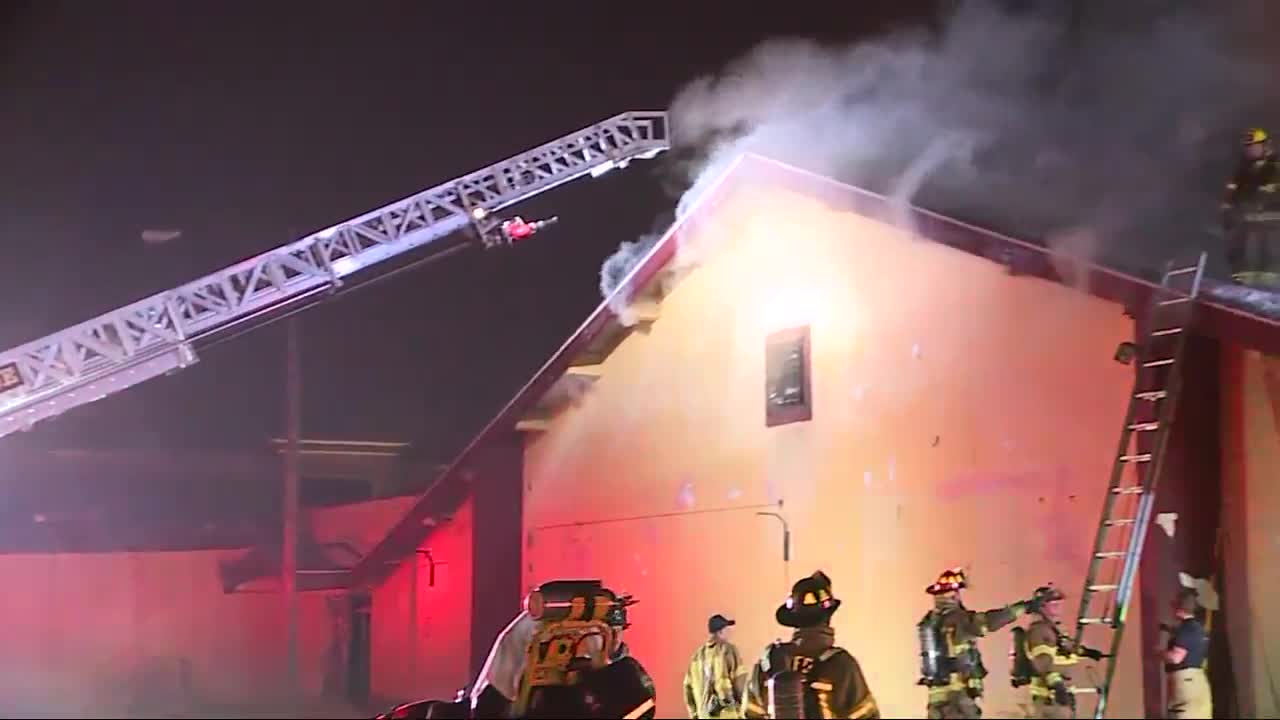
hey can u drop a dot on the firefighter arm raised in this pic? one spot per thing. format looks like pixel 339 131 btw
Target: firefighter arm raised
pixel 992 620
pixel 969 625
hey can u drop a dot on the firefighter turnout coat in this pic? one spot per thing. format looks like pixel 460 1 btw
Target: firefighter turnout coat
pixel 715 680
pixel 833 683
pixel 1051 654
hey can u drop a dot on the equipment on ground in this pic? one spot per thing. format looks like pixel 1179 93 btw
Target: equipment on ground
pixel 1130 502
pixel 159 335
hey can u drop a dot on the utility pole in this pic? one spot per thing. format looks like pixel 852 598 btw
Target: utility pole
pixel 289 543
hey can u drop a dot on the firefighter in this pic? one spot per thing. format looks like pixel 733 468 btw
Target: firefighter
pixel 1188 687
pixel 714 682
pixel 1251 213
pixel 1050 653
pixel 808 676
pixel 951 666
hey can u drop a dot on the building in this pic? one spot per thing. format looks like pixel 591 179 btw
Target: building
pixel 146 581
pixel 788 350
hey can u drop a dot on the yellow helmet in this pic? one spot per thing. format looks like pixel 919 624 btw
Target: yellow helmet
pixel 1256 135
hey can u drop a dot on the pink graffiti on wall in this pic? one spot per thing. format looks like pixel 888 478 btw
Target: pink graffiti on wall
pixel 1049 488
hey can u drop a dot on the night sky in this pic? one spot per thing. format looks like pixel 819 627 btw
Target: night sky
pixel 249 124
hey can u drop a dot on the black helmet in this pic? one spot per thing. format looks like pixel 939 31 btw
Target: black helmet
pixel 1049 593
pixel 810 602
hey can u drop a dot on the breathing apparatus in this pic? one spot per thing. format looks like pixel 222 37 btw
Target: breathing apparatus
pixel 578 631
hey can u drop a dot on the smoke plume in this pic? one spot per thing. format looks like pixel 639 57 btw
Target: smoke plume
pixel 1107 126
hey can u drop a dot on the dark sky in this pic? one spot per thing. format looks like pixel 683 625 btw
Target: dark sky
pixel 247 124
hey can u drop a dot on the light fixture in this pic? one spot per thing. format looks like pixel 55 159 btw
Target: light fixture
pixel 1125 353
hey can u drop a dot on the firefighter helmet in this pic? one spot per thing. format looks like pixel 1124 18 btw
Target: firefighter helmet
pixel 810 602
pixel 950 580
pixel 1049 593
pixel 1256 135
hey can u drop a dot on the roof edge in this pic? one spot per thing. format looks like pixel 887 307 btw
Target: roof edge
pixel 409 529
pixel 1113 285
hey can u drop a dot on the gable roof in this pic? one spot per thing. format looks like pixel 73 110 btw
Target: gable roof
pixel 596 338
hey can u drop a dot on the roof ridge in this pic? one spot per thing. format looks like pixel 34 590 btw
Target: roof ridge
pixel 1103 282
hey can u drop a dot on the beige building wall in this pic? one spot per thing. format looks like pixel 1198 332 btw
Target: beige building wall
pixel 961 417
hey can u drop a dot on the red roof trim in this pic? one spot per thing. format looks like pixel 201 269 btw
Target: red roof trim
pixel 1215 319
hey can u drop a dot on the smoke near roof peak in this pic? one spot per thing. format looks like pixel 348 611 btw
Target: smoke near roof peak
pixel 1038 119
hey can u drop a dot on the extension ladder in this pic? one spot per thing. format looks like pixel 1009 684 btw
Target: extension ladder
pixel 1131 494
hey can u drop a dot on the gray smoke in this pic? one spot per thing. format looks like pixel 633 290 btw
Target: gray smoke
pixel 1116 122
pixel 624 260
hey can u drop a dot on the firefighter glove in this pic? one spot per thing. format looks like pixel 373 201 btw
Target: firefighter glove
pixel 1092 654
pixel 1062 694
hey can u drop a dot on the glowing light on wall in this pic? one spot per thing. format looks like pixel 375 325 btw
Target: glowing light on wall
pixel 791 306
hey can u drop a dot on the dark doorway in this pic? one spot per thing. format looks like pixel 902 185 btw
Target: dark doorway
pixel 358 655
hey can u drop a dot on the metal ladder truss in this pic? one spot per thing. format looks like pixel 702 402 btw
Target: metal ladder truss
pixel 1135 473
pixel 156 335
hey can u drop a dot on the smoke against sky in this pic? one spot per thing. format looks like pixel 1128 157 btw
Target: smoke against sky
pixel 1117 125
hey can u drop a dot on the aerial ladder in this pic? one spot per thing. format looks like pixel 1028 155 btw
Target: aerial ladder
pixel 1135 474
pixel 160 334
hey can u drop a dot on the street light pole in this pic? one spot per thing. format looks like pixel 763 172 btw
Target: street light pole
pixel 786 541
pixel 289 544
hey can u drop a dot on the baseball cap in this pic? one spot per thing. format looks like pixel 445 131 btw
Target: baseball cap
pixel 718 623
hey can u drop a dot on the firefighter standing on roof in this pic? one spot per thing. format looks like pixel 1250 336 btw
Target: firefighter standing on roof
pixel 1051 654
pixel 809 676
pixel 1251 213
pixel 951 666
pixel 1188 686
pixel 714 682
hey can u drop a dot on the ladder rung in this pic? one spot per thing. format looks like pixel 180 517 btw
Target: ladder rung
pixel 1095 621
pixel 1158 363
pixel 1145 426
pixel 1166 331
pixel 1182 271
pixel 1131 490
pixel 1102 588
pixel 1152 395
pixel 1120 523
pixel 1109 554
pixel 1173 301
pixel 1139 457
